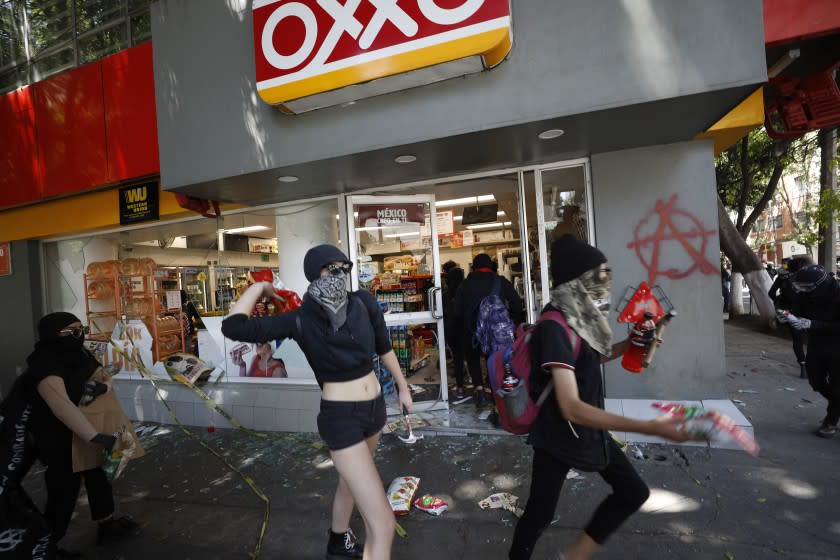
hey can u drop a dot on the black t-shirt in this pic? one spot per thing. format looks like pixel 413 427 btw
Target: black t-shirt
pixel 578 446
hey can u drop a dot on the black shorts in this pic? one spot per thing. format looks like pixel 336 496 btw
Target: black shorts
pixel 345 423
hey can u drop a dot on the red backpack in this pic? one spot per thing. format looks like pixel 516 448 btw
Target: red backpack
pixel 517 410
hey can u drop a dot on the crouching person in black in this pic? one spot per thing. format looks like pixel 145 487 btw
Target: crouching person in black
pixel 571 429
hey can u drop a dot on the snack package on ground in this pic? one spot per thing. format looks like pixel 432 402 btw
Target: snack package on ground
pixel 116 460
pixel 290 301
pixel 401 492
pixel 431 504
pixel 503 500
pixel 710 425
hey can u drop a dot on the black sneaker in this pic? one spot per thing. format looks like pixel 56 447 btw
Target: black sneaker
pixel 343 545
pixel 117 527
pixel 480 398
pixel 827 430
pixel 460 396
pixel 803 374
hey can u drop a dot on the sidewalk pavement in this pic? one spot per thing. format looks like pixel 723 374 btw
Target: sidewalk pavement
pixel 705 503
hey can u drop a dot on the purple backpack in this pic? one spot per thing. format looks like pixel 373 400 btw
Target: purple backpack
pixel 493 327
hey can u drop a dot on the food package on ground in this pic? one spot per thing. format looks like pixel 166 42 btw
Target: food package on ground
pixel 116 460
pixel 401 493
pixel 431 504
pixel 502 500
pixel 710 425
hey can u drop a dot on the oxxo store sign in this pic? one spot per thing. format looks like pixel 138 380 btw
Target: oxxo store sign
pixel 309 52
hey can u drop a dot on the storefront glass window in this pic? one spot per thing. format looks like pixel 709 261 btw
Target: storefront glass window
pixel 128 285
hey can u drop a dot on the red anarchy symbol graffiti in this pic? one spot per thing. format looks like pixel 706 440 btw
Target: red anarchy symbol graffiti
pixel 674 225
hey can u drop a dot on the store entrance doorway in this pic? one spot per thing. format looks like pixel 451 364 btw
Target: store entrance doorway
pixel 393 243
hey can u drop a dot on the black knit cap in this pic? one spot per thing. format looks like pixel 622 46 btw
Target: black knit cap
pixel 482 260
pixel 50 325
pixel 320 256
pixel 570 258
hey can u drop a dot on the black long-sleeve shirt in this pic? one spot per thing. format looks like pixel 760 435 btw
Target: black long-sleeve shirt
pixel 334 356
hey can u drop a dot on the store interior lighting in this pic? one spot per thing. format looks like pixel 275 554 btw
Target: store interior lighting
pixel 406 234
pixel 465 201
pixel 246 229
pixel 493 225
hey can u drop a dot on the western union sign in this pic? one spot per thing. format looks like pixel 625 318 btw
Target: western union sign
pixel 139 203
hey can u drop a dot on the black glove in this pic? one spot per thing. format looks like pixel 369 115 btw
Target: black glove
pixel 106 441
pixel 92 390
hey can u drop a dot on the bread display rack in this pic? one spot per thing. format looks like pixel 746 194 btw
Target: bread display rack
pixel 136 289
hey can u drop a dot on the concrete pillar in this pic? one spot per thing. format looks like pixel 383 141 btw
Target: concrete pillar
pixel 300 228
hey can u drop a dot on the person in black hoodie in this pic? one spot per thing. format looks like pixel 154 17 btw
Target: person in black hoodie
pixel 57 377
pixel 453 276
pixel 339 333
pixel 571 430
pixel 816 309
pixel 477 286
pixel 783 294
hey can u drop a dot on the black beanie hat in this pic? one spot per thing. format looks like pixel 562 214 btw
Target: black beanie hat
pixel 50 325
pixel 570 258
pixel 320 256
pixel 482 260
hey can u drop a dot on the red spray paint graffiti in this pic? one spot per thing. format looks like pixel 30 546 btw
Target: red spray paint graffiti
pixel 675 226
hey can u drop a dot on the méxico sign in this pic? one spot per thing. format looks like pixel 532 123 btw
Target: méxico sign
pixel 308 47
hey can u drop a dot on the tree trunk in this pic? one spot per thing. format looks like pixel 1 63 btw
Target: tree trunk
pixel 827 254
pixel 736 298
pixel 744 261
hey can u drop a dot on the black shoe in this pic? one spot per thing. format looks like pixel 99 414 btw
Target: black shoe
pixel 117 527
pixel 480 398
pixel 802 373
pixel 827 430
pixel 343 545
pixel 494 419
pixel 460 396
pixel 62 553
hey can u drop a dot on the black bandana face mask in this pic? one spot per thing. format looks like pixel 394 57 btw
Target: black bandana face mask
pixel 330 291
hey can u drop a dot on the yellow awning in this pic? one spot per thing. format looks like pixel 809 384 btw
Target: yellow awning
pixel 737 123
pixel 80 214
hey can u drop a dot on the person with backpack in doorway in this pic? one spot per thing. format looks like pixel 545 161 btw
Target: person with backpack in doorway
pixel 485 308
pixel 571 428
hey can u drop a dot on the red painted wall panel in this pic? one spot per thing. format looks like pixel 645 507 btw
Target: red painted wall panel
pixel 19 164
pixel 86 128
pixel 130 116
pixel 70 119
pixel 788 20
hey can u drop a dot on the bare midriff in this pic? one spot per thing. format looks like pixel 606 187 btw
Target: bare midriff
pixel 363 389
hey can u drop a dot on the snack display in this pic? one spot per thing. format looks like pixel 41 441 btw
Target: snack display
pixel 710 425
pixel 431 504
pixel 401 493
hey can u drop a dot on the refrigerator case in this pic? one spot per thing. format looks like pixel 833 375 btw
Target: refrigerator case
pixel 194 282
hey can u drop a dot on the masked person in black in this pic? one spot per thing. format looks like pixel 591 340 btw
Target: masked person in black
pixel 57 378
pixel 340 333
pixel 782 294
pixel 816 309
pixel 453 276
pixel 571 430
